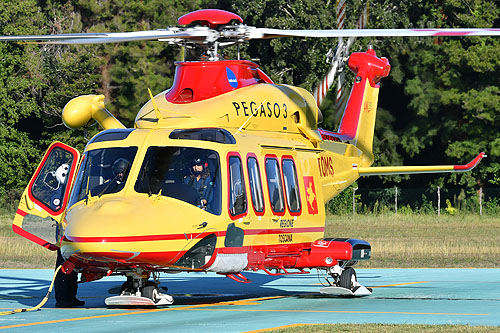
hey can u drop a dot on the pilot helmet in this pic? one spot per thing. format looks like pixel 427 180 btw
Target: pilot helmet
pixel 199 161
pixel 120 166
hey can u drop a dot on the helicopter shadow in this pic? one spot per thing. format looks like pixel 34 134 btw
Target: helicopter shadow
pixel 210 288
pixel 26 290
pixel 20 289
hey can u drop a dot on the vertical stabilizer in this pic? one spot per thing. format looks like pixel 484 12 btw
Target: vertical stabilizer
pixel 358 121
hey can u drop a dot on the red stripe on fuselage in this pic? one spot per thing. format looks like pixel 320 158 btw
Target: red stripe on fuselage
pixel 21 212
pixel 33 238
pixel 148 238
pixel 145 238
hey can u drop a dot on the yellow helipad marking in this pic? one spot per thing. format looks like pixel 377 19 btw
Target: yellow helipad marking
pixel 76 319
pixel 252 301
pixel 400 284
pixel 339 311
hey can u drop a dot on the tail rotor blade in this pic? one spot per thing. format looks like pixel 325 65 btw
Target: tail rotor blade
pixel 338 60
pixel 341 99
pixel 322 88
pixel 340 14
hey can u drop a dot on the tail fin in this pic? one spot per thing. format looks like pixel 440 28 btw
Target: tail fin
pixel 358 122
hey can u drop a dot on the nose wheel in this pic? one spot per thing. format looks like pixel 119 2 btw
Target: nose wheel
pixel 139 291
pixel 345 283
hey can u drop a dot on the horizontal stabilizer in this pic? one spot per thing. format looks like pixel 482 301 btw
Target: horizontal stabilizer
pixel 403 170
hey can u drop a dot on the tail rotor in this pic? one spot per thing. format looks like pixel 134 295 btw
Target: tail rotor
pixel 337 61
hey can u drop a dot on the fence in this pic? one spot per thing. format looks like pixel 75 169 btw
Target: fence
pixel 431 200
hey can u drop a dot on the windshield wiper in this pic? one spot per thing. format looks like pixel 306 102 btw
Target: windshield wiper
pixel 112 181
pixel 144 178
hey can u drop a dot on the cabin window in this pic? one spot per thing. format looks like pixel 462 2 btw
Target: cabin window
pixel 184 173
pixel 275 185
pixel 255 184
pixel 237 193
pixel 291 185
pixel 103 171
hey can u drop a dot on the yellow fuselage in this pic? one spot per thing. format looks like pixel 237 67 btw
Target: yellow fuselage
pixel 132 227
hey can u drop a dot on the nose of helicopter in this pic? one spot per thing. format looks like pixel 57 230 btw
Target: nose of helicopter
pixel 126 230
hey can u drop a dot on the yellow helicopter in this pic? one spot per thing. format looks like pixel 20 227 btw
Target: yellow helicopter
pixel 224 172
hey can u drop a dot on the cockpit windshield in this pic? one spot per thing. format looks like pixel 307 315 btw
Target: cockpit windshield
pixel 188 174
pixel 103 171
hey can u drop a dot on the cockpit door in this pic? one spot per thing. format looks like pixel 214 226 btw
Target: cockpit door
pixel 40 212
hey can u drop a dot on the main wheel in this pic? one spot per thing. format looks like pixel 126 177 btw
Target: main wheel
pixel 348 278
pixel 150 292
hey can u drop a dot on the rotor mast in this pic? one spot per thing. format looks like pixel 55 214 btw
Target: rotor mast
pixel 220 32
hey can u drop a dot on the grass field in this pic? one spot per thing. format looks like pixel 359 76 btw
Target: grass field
pixel 385 328
pixel 18 252
pixel 412 241
pixel 398 241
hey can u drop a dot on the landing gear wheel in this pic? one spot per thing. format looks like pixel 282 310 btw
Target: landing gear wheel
pixel 345 285
pixel 348 279
pixel 150 292
pixel 138 291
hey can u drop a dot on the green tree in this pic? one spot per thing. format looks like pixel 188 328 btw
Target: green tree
pixel 18 80
pixel 443 93
pixel 439 105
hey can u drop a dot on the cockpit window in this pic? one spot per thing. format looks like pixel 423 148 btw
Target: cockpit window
pixel 103 171
pixel 188 174
pixel 112 135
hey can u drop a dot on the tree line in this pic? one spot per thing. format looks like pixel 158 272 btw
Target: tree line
pixel 440 104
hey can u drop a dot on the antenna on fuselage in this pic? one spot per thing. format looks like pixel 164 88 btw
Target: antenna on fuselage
pixel 250 117
pixel 155 107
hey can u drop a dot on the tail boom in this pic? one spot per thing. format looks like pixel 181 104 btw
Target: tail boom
pixel 402 170
pixel 358 122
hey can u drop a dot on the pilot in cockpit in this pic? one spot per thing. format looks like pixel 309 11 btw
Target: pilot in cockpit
pixel 119 169
pixel 199 178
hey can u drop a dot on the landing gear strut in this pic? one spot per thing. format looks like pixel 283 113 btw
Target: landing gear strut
pixel 345 283
pixel 138 290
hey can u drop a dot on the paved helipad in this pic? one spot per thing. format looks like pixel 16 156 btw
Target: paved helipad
pixel 210 302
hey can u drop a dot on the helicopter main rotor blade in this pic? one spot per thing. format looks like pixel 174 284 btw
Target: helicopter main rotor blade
pixel 207 36
pixel 264 33
pixel 114 37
